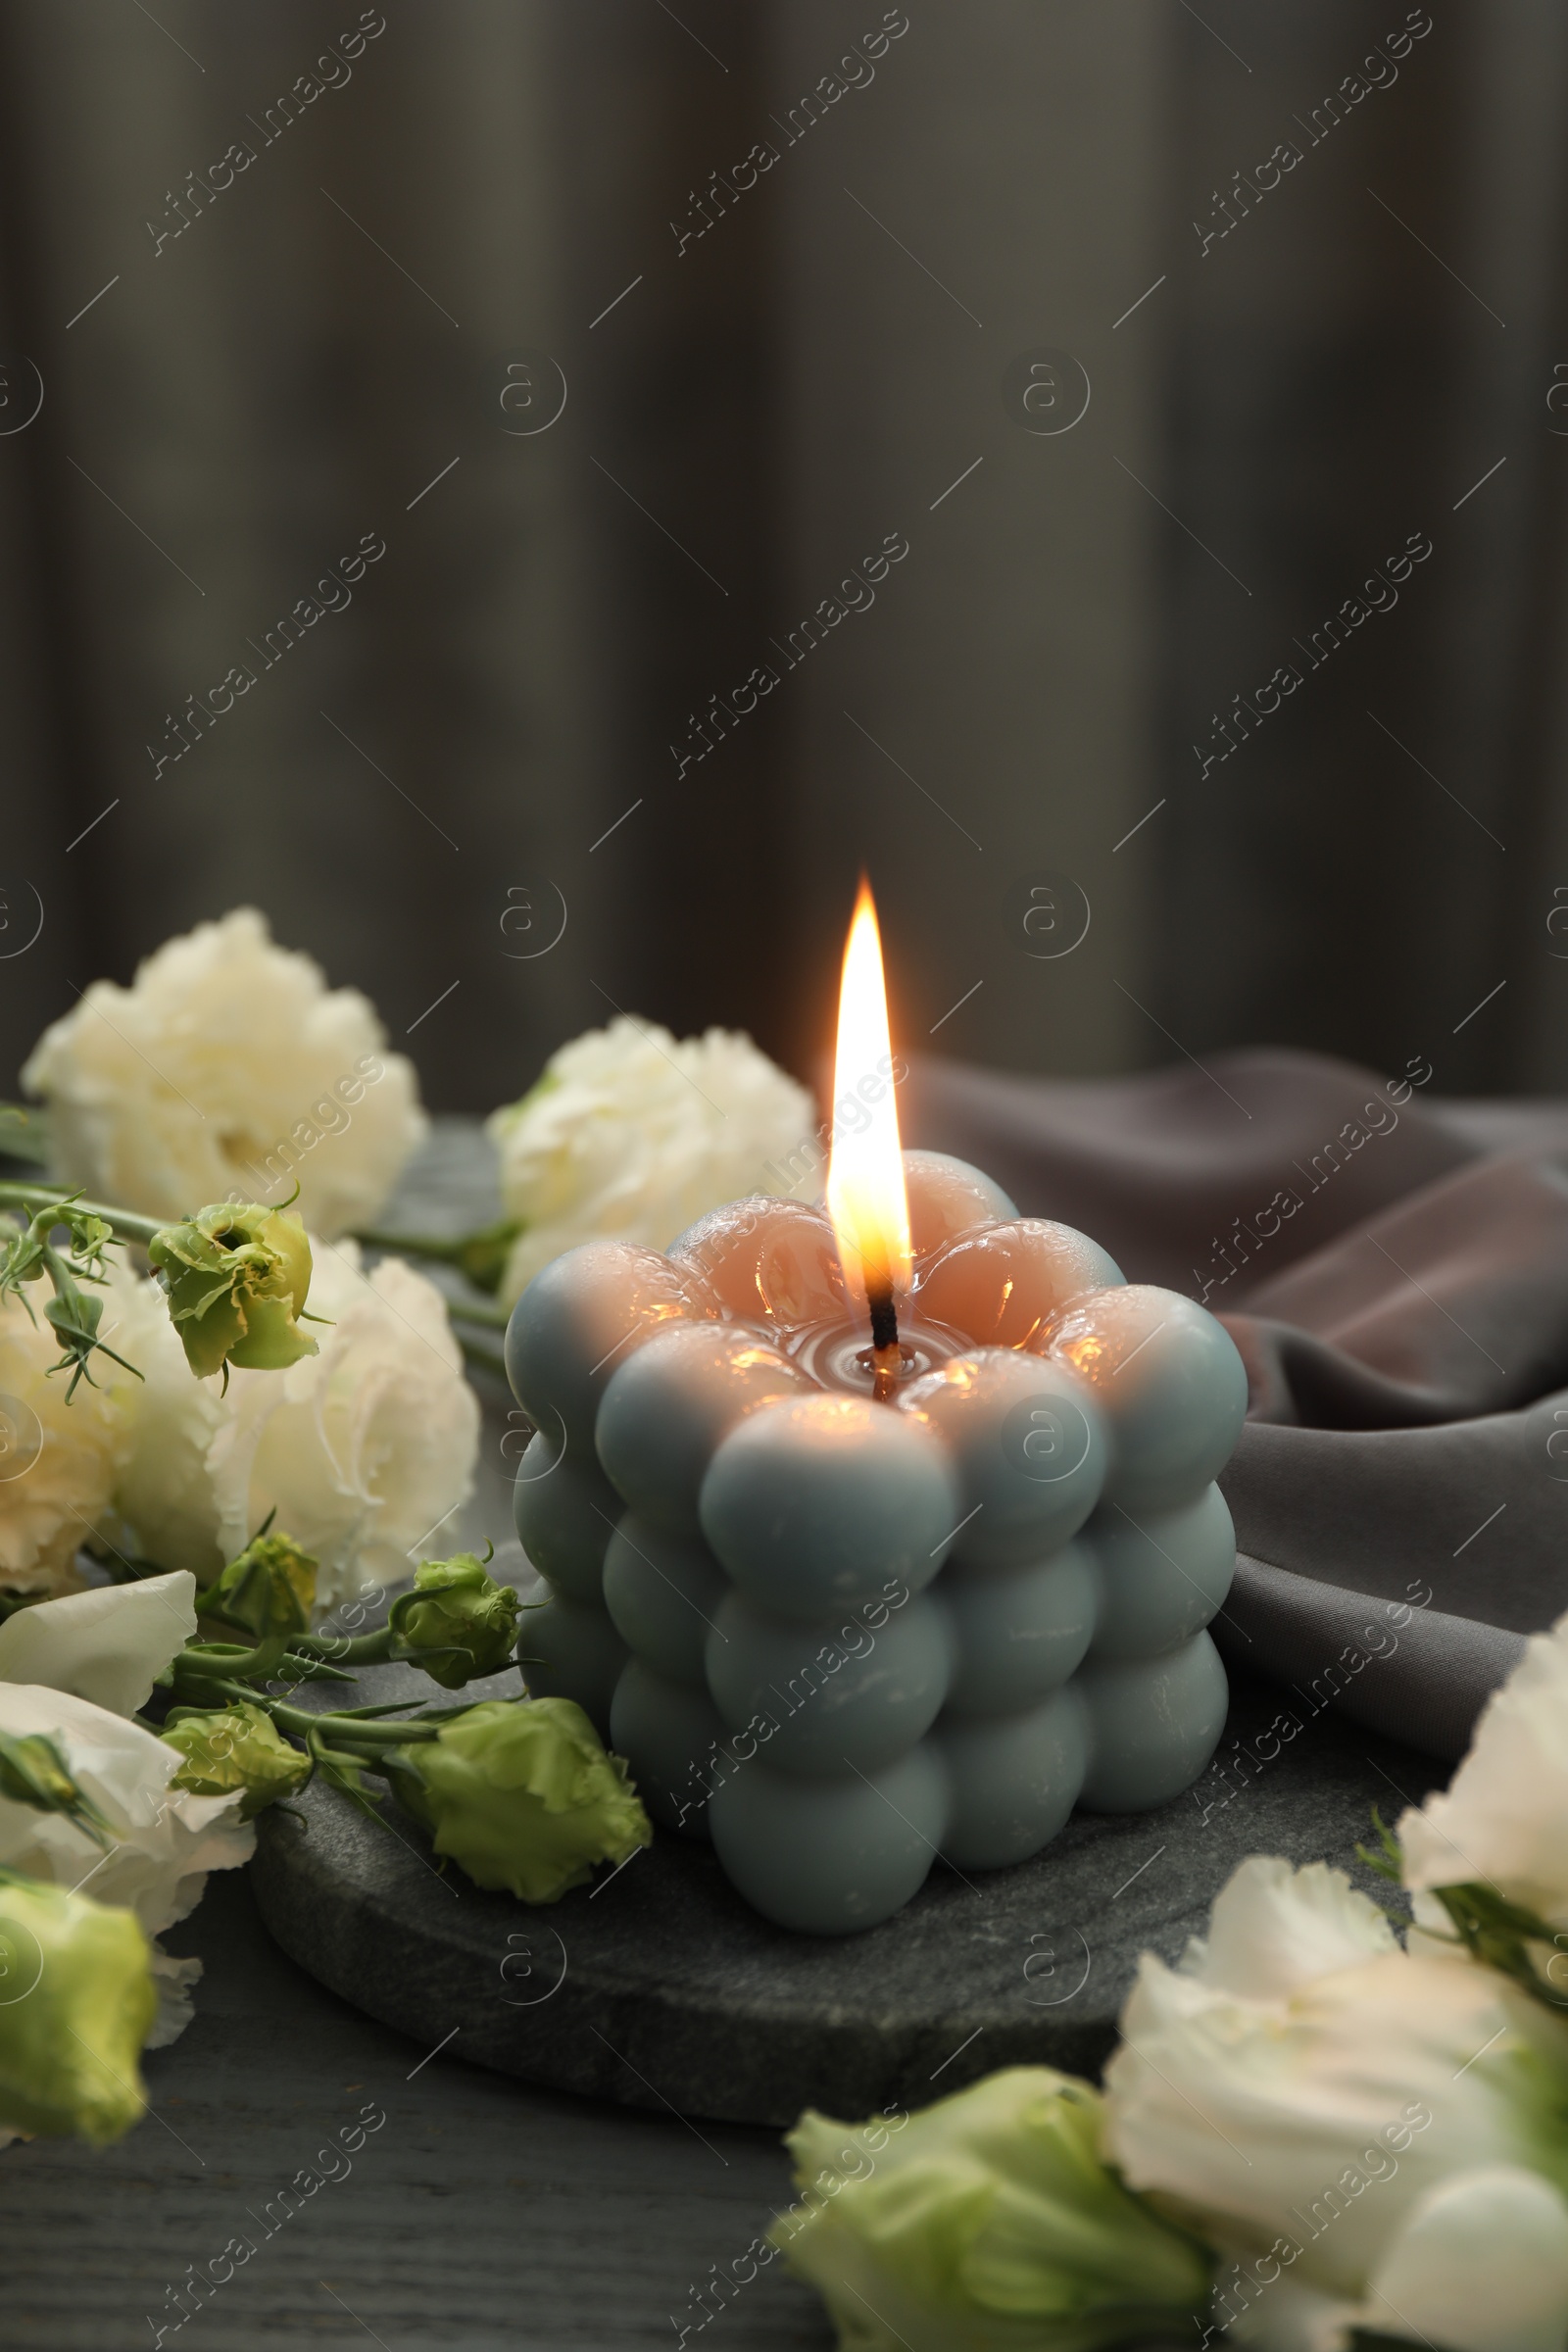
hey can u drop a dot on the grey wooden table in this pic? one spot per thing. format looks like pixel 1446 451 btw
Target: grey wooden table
pixel 481 2214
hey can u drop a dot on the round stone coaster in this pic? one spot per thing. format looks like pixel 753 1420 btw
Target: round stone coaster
pixel 657 1987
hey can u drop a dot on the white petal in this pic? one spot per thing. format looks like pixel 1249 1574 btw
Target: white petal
pixel 1327 2117
pixel 108 1645
pixel 1480 2265
pixel 163 1843
pixel 173 1981
pixel 1504 1817
pixel 1274 1928
pixel 1273 2309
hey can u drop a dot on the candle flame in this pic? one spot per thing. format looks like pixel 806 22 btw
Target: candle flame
pixel 866 1196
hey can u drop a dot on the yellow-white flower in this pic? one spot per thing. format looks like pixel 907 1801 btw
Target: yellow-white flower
pixel 636 1134
pixel 58 1461
pixel 364 1450
pixel 1315 2100
pixel 228 1069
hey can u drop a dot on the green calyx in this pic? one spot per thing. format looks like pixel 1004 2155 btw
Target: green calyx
pixel 237 1279
pixel 78 2006
pixel 234 1747
pixel 457 1622
pixel 1508 1937
pixel 269 1589
pixel 523 1795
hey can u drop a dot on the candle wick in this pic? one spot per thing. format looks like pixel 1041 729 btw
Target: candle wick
pixel 887 1358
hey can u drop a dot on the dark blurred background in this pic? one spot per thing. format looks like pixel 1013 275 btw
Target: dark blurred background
pixel 278 279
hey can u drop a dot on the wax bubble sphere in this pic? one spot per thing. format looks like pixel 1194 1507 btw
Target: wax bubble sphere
pixel 843 1634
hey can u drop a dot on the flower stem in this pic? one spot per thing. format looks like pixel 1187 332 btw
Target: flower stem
pixel 346 1649
pixel 35 1198
pixel 480 1310
pixel 481 1256
pixel 347 1731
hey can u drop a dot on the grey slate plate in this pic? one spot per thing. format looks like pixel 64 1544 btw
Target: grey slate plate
pixel 657 1987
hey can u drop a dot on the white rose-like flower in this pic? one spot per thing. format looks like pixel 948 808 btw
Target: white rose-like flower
pixel 162 1487
pixel 1307 2095
pixel 227 1068
pixel 635 1134
pixel 58 1461
pixel 165 1840
pixel 1504 1819
pixel 365 1450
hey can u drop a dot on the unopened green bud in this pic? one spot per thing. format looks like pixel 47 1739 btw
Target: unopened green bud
pixel 987 2222
pixel 269 1589
pixel 34 1772
pixel 523 1795
pixel 237 1280
pixel 458 1622
pixel 235 1747
pixel 77 2004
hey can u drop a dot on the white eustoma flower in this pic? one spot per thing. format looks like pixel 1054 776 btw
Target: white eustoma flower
pixel 364 1450
pixel 162 1487
pixel 1300 2090
pixel 58 1461
pixel 635 1134
pixel 164 1842
pixel 108 1644
pixel 228 1069
pixel 1504 1819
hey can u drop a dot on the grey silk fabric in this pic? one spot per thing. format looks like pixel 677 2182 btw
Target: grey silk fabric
pixel 1394 1268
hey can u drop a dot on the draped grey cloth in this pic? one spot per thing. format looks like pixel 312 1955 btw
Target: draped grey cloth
pixel 1393 1269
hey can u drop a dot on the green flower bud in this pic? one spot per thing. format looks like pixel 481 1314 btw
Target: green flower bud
pixel 988 2222
pixel 237 1279
pixel 235 1747
pixel 521 1794
pixel 76 2003
pixel 269 1589
pixel 458 1622
pixel 34 1772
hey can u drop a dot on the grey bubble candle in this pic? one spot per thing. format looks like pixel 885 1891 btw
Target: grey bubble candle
pixel 881 1532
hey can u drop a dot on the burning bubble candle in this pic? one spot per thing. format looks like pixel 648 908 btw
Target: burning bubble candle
pixel 879 1533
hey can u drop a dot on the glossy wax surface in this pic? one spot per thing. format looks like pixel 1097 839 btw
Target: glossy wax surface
pixel 843 1635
